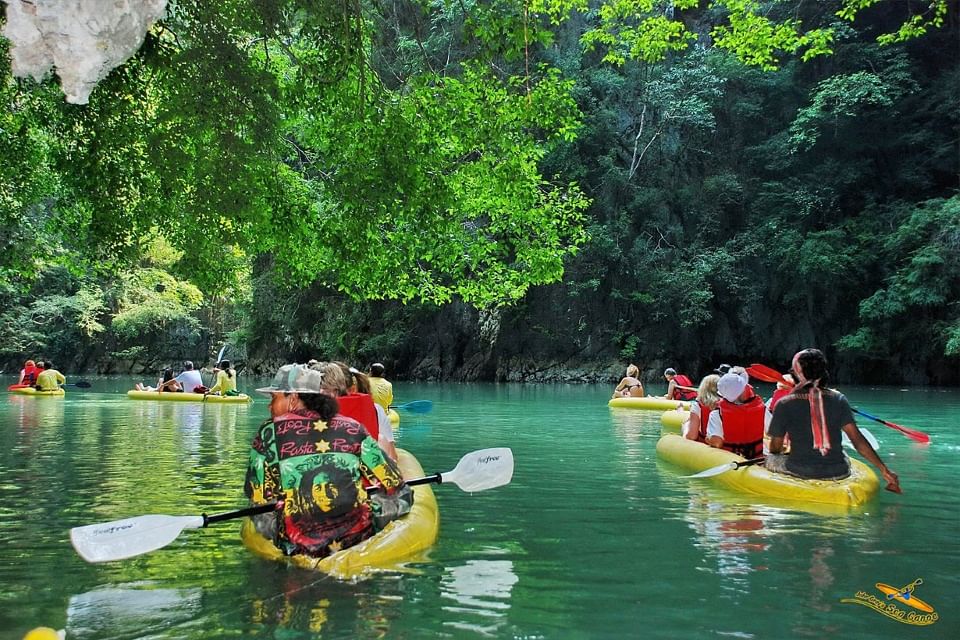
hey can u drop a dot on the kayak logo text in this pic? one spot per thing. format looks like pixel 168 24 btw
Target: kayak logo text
pixel 916 611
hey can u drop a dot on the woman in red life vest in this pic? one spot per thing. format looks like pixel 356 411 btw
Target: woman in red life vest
pixel 29 373
pixel 707 399
pixel 740 419
pixel 630 386
pixel 675 383
pixel 815 417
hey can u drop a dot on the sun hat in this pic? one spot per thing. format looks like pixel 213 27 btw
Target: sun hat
pixel 731 385
pixel 294 378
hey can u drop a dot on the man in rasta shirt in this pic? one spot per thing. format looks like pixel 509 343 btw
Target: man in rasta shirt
pixel 314 459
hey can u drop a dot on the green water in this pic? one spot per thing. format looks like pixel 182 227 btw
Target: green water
pixel 594 538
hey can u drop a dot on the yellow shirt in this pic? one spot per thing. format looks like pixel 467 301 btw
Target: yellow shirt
pixel 50 380
pixel 224 383
pixel 382 392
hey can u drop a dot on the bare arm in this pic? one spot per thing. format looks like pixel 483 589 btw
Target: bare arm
pixel 863 448
pixel 776 445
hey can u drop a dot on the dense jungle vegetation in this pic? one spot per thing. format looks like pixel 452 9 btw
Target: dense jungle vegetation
pixel 496 189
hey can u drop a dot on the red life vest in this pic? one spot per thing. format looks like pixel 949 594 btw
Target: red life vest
pixel 775 398
pixel 30 375
pixel 704 419
pixel 359 406
pixel 683 394
pixel 743 426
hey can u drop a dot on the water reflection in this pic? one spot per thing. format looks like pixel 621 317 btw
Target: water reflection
pixel 129 610
pixel 731 535
pixel 481 590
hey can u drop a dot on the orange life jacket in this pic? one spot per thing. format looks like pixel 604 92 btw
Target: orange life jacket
pixel 743 426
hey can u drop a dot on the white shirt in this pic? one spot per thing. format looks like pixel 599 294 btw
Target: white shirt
pixel 189 380
pixel 383 423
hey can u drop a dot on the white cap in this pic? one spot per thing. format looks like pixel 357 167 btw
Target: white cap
pixel 731 385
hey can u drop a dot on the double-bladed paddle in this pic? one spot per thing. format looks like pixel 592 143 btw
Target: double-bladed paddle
pixel 769 374
pixel 726 466
pixel 417 406
pixel 119 539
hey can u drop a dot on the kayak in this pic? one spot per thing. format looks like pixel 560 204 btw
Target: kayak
pixel 31 391
pixel 649 403
pixel 172 396
pixel 673 421
pixel 695 456
pixel 394 417
pixel 398 541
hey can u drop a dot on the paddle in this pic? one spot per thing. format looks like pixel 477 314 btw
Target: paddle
pixel 120 539
pixel 726 466
pixel 417 406
pixel 769 374
pixel 80 384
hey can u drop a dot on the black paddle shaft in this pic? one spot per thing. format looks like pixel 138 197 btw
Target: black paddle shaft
pixel 250 511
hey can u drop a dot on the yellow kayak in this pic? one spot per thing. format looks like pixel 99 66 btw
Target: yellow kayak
pixel 673 421
pixel 169 396
pixel 394 417
pixel 400 540
pixel 30 391
pixel 695 457
pixel 649 403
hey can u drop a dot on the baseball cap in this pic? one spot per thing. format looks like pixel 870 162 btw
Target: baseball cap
pixel 731 385
pixel 722 369
pixel 294 378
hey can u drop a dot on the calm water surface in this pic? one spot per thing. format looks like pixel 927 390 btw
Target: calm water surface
pixel 594 538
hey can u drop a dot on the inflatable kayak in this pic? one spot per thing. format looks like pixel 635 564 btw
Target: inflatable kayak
pixel 648 403
pixel 398 541
pixel 31 391
pixel 695 457
pixel 170 396
pixel 673 421
pixel 394 417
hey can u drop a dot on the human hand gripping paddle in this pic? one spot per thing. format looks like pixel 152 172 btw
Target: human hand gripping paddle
pixel 769 374
pixel 417 406
pixel 120 539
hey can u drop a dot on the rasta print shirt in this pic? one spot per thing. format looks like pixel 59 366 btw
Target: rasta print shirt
pixel 317 467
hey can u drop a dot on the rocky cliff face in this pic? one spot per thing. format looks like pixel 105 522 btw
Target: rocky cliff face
pixel 83 40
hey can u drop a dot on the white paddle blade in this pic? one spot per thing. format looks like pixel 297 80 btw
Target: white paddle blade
pixel 714 471
pixel 869 437
pixel 130 537
pixel 482 470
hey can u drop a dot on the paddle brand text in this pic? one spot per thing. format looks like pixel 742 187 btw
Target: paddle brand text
pixel 111 530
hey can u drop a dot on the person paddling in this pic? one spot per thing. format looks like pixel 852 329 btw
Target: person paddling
pixel 226 381
pixel 49 379
pixel 815 417
pixel 312 458
pixel 676 383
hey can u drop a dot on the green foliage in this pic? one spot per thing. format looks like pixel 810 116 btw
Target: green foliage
pixel 920 293
pixel 848 95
